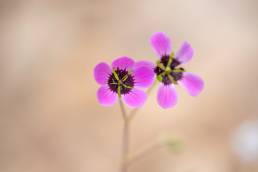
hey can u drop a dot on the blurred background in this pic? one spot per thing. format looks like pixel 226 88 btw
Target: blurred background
pixel 51 121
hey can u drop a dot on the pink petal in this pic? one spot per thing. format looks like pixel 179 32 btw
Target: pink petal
pixel 185 53
pixel 161 43
pixel 106 97
pixel 143 76
pixel 167 96
pixel 144 64
pixel 192 83
pixel 101 73
pixel 135 98
pixel 123 63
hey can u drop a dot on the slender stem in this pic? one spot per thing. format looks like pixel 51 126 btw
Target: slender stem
pixel 126 132
pixel 122 107
pixel 125 139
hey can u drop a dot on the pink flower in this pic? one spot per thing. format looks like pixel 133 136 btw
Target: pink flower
pixel 169 72
pixel 124 79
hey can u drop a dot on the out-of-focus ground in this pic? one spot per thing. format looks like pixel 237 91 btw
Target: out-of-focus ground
pixel 50 119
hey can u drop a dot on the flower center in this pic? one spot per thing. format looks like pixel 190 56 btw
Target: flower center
pixel 167 70
pixel 121 81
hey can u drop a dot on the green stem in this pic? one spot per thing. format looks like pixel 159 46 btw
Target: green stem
pixel 126 130
pixel 125 139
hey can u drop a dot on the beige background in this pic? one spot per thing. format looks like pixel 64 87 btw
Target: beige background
pixel 50 119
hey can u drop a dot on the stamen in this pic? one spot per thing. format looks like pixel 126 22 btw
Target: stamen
pixel 121 81
pixel 167 70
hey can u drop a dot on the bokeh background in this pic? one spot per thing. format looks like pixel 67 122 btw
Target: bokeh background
pixel 50 119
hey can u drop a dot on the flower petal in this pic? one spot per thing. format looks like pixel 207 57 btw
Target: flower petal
pixel 167 96
pixel 135 98
pixel 101 73
pixel 144 64
pixel 123 63
pixel 161 43
pixel 105 96
pixel 192 83
pixel 185 53
pixel 143 76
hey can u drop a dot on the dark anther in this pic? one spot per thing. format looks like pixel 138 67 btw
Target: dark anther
pixel 125 82
pixel 173 75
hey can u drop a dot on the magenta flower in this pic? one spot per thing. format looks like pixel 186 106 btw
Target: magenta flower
pixel 169 72
pixel 124 79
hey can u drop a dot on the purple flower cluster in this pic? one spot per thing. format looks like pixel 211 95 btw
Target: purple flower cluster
pixel 127 79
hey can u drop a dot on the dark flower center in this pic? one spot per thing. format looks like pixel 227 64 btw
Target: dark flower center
pixel 121 81
pixel 167 70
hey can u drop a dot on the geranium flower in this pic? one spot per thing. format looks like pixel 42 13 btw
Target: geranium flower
pixel 169 71
pixel 125 79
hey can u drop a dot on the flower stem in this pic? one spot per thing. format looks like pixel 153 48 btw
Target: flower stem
pixel 126 131
pixel 125 139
